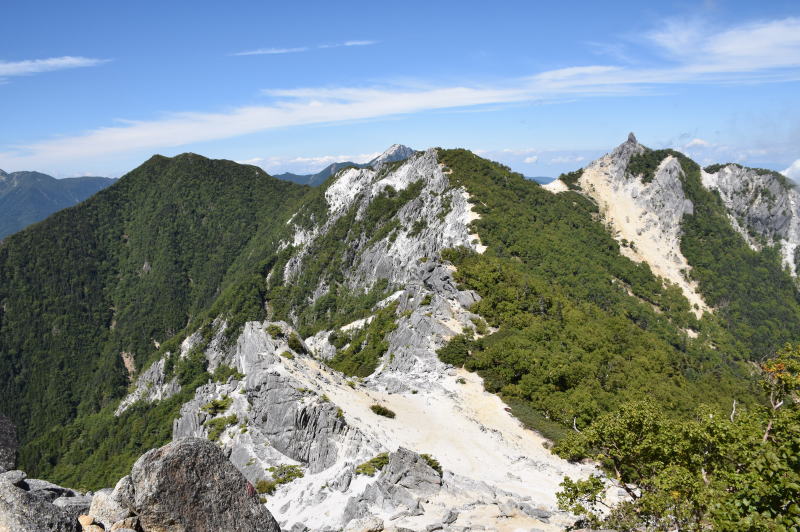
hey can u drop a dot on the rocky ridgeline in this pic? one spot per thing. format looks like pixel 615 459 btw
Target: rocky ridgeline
pixel 187 485
pixel 762 206
pixel 644 216
pixel 301 432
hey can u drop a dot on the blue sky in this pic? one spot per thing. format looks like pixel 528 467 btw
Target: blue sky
pixel 98 87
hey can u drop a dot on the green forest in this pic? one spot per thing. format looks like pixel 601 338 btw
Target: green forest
pixel 125 271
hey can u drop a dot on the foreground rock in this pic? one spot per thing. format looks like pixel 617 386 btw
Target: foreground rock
pixel 189 485
pixel 26 505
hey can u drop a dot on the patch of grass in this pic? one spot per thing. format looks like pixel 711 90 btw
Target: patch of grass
pixel 218 425
pixel 287 355
pixel 372 466
pixel 433 462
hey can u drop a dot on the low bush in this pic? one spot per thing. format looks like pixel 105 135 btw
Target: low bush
pixel 372 466
pixel 217 406
pixel 382 411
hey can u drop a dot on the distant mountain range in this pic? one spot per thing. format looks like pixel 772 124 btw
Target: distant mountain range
pixel 396 152
pixel 29 197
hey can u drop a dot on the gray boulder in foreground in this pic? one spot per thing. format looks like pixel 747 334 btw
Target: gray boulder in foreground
pixel 30 510
pixel 189 484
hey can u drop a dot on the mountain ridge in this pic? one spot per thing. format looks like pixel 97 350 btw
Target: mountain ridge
pixel 440 286
pixel 28 197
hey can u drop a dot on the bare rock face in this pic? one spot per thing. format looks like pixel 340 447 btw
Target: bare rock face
pixel 189 485
pixel 25 509
pixel 405 478
pixel 107 509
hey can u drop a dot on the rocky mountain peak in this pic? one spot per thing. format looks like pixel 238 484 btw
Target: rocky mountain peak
pixel 622 153
pixel 2 173
pixel 395 152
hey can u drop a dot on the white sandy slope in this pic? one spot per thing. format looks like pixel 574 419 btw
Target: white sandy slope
pixel 486 453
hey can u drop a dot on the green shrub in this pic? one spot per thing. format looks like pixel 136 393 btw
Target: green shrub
pixel 275 331
pixel 217 406
pixel 426 300
pixel 418 227
pixel 295 344
pixel 267 487
pixel 372 466
pixel 457 350
pixel 367 345
pixel 382 411
pixel 480 325
pixel 339 339
pixel 191 369
pixel 223 373
pixel 287 354
pixel 218 425
pixel 433 462
pixel 571 179
pixel 283 474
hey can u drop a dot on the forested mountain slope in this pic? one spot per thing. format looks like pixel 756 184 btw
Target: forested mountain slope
pixel 113 277
pixel 316 331
pixel 28 197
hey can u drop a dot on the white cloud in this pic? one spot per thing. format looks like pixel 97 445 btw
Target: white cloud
pixel 563 159
pixel 793 172
pixel 721 61
pixel 754 46
pixel 694 143
pixel 530 160
pixel 272 51
pixel 36 66
pixel 279 51
pixel 254 160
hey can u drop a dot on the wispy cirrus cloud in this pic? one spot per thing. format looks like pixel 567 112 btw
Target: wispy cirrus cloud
pixel 306 165
pixel 273 51
pixel 760 52
pixel 37 66
pixel 279 51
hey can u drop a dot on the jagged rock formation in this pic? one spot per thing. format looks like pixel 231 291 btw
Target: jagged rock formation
pixel 644 217
pixel 763 206
pixel 396 152
pixel 291 409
